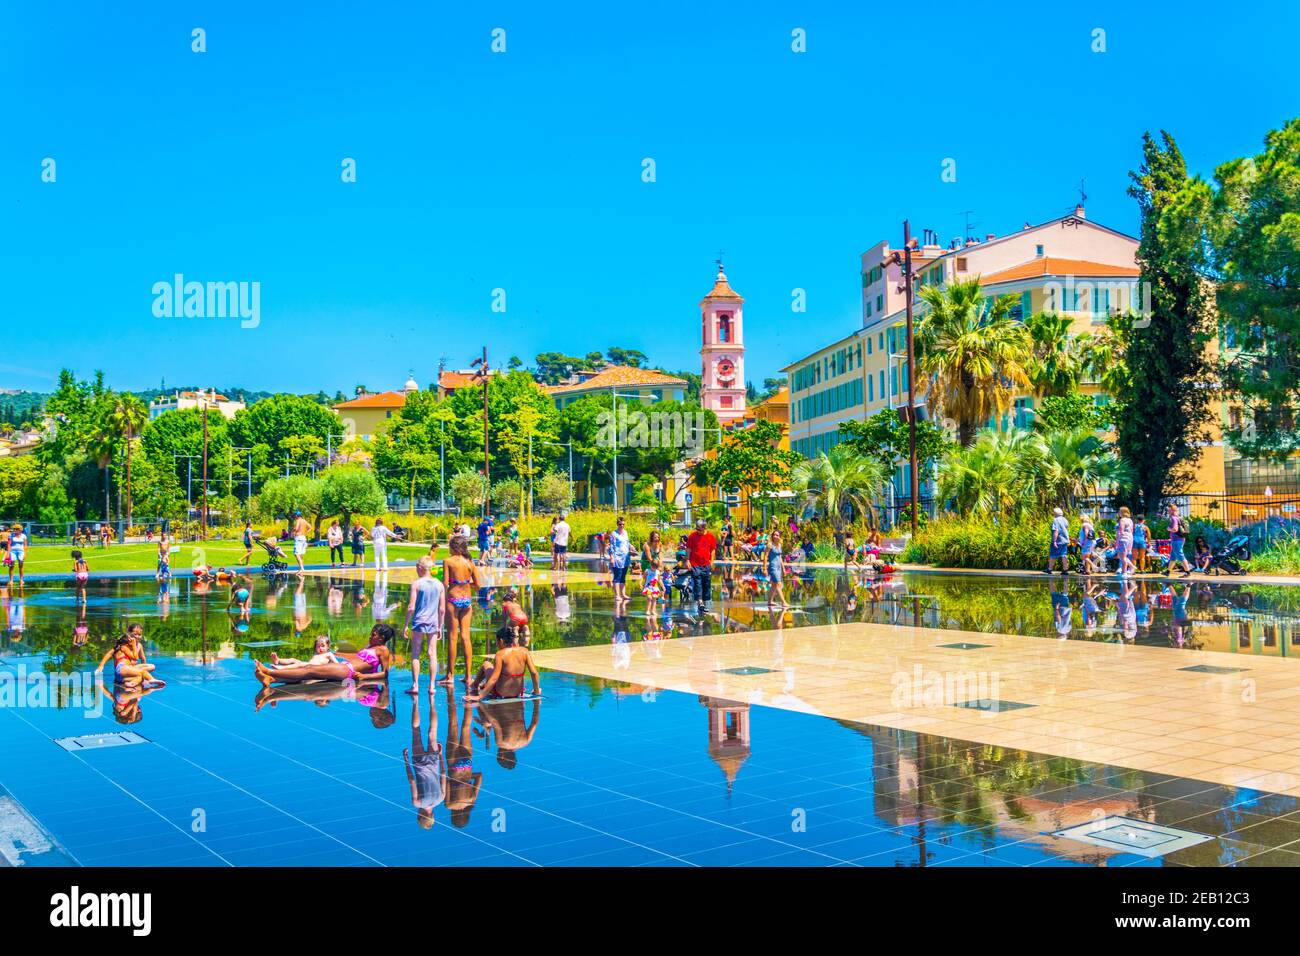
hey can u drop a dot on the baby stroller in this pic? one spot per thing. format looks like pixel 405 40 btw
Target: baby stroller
pixel 1228 558
pixel 275 563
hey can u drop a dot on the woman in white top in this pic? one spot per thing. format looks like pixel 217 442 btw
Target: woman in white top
pixel 1124 542
pixel 380 536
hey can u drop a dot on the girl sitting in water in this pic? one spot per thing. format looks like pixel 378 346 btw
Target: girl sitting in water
pixel 503 676
pixel 130 667
pixel 324 655
pixel 374 660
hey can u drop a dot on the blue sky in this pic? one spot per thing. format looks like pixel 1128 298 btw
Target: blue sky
pixel 522 170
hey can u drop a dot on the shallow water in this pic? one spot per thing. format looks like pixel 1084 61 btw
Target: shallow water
pixel 598 772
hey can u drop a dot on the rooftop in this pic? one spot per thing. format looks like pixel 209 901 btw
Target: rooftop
pixel 617 376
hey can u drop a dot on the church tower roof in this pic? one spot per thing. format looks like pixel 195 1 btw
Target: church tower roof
pixel 722 289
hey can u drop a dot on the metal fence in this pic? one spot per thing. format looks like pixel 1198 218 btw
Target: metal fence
pixel 70 532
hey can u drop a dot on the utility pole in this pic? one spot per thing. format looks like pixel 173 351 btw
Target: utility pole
pixel 904 260
pixel 911 377
pixel 482 375
pixel 203 530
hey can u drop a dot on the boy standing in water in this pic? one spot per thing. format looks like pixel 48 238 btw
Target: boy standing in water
pixel 424 614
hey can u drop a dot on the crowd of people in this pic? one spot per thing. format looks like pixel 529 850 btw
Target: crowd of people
pixel 1132 550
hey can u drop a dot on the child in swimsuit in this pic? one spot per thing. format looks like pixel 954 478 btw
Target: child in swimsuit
pixel 503 676
pixel 324 655
pixel 80 569
pixel 515 615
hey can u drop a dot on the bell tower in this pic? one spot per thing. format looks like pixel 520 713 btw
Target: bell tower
pixel 722 351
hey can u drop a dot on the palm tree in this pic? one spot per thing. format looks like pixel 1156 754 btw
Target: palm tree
pixel 1058 360
pixel 839 480
pixel 981 478
pixel 128 415
pixel 1063 467
pixel 972 353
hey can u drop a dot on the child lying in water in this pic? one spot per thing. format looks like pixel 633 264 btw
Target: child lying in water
pixel 324 655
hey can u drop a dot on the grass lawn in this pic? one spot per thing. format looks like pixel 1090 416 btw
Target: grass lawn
pixel 56 559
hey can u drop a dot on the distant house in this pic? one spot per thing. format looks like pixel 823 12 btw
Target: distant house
pixel 631 383
pixel 209 398
pixel 363 415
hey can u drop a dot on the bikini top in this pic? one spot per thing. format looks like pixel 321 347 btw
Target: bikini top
pixel 369 656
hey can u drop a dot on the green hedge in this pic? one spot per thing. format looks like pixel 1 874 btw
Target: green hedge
pixel 951 542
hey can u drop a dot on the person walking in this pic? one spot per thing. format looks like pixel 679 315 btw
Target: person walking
pixel 424 615
pixel 249 534
pixel 300 528
pixel 560 543
pixel 1087 542
pixel 775 573
pixel 1058 548
pixel 620 556
pixel 380 536
pixel 1177 543
pixel 17 552
pixel 701 546
pixel 1124 542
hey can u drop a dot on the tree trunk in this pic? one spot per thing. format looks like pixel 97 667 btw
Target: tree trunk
pixel 130 506
pixel 107 516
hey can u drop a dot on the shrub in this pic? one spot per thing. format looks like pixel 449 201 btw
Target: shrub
pixel 981 542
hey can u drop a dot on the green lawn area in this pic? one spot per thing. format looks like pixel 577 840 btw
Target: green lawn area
pixel 57 559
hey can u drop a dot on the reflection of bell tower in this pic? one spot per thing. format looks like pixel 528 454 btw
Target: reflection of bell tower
pixel 728 735
pixel 722 352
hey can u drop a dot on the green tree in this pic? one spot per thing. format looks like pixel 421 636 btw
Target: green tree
pixel 632 357
pixel 971 354
pixel 749 458
pixel 884 437
pixel 469 489
pixel 1253 252
pixel 128 415
pixel 840 483
pixel 346 490
pixel 554 492
pixel 1058 359
pixel 281 497
pixel 979 478
pixel 1163 396
pixel 274 420
pixel 1070 412
pixel 1064 467
pixel 20 480
pixel 508 494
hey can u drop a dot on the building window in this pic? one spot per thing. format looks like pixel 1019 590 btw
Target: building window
pixel 1038 251
pixel 961 263
pixel 724 328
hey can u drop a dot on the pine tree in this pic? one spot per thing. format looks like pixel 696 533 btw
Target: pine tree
pixel 1165 393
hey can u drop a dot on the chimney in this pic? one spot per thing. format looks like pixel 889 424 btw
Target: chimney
pixel 1079 213
pixel 989 237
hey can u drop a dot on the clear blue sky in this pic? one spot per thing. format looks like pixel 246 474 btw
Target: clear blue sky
pixel 523 170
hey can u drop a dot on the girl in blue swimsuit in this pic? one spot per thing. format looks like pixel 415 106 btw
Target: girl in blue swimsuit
pixel 461 577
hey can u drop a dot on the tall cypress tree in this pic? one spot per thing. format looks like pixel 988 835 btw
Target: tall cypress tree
pixel 1164 395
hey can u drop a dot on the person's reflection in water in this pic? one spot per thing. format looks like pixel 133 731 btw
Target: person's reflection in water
pixel 1181 636
pixel 621 644
pixel 334 599
pixel 301 616
pixel 1061 614
pixel 1126 611
pixel 462 782
pixel 426 765
pixel 126 700
pixel 506 722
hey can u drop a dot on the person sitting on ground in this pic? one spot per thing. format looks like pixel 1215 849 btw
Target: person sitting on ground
pixel 324 655
pixel 373 661
pixel 516 617
pixel 1204 556
pixel 130 666
pixel 503 676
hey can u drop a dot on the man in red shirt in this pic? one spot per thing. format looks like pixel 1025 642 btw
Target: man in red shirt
pixel 701 546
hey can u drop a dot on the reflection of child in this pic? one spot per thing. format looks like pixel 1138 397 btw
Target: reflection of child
pixel 324 655
pixel 516 615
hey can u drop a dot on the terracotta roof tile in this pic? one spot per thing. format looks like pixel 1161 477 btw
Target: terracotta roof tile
pixel 616 376
pixel 1049 266
pixel 377 400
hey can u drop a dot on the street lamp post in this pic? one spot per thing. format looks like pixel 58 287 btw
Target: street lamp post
pixel 904 259
pixel 481 364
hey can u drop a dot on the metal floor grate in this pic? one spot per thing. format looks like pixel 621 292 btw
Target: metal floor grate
pixel 122 738
pixel 992 705
pixel 746 671
pixel 1133 836
pixel 1213 669
pixel 963 646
